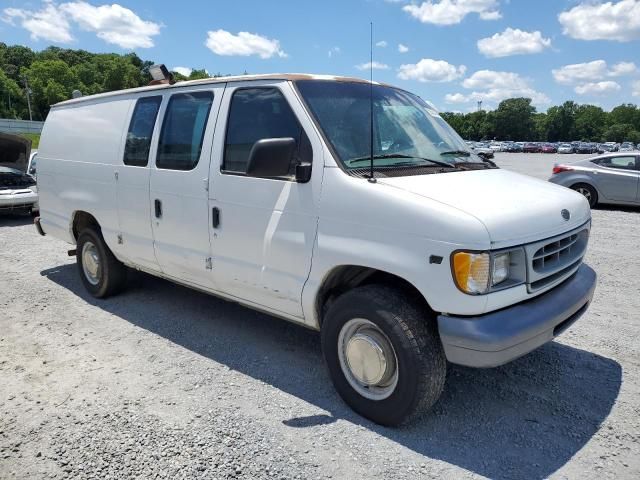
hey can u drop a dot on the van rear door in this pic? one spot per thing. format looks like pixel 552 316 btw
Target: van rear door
pixel 179 184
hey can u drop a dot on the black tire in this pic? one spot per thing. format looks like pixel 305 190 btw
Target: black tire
pixel 414 337
pixel 111 274
pixel 588 192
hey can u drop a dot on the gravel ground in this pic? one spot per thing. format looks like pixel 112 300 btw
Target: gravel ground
pixel 165 382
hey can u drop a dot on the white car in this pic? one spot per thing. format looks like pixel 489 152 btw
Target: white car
pixel 18 192
pixel 496 147
pixel 405 252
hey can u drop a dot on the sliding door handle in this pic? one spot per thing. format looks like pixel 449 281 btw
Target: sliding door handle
pixel 215 217
pixel 158 208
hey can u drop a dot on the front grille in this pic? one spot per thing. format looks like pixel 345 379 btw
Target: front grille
pixel 552 260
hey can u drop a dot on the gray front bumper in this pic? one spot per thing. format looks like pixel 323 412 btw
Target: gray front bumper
pixel 499 337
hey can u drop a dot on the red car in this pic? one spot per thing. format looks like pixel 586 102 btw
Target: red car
pixel 549 148
pixel 531 148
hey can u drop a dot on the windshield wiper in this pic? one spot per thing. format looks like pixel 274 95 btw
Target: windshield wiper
pixel 460 153
pixel 400 155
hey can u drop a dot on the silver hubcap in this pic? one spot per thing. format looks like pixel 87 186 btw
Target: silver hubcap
pixel 91 263
pixel 367 359
pixel 585 192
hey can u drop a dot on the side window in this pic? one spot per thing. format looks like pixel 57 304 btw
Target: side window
pixel 255 114
pixel 136 150
pixel 626 163
pixel 183 130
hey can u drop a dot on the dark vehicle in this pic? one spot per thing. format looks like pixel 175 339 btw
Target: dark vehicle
pixel 531 148
pixel 587 148
pixel 608 147
pixel 549 148
pixel 513 148
pixel 627 147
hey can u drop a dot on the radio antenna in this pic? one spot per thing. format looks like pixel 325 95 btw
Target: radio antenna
pixel 372 178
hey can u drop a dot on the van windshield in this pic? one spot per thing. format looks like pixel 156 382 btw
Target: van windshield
pixel 406 131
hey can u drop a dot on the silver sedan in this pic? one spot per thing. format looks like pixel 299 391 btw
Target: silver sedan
pixel 613 178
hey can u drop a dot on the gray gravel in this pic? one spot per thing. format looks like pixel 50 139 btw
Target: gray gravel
pixel 165 382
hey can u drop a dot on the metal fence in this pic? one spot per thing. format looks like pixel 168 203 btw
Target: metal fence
pixel 8 125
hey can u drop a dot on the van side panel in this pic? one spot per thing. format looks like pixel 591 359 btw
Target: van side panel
pixel 80 149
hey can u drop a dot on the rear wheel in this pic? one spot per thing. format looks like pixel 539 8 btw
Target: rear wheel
pixel 588 192
pixel 384 354
pixel 101 273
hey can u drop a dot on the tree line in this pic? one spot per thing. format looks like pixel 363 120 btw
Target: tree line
pixel 516 119
pixel 54 73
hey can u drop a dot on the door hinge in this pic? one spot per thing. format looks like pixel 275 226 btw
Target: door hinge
pixel 115 174
pixel 208 263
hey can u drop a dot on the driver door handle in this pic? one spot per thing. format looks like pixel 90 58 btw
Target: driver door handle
pixel 215 217
pixel 158 208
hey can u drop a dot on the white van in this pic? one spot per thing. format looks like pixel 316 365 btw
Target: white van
pixel 258 189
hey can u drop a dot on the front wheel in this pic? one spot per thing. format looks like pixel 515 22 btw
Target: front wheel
pixel 588 192
pixel 101 272
pixel 384 354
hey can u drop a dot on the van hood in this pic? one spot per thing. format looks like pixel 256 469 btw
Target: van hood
pixel 514 208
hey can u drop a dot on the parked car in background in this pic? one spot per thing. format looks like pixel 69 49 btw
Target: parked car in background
pixel 549 148
pixel 531 147
pixel 607 147
pixel 404 254
pixel 31 168
pixel 565 148
pixel 627 147
pixel 513 147
pixel 483 151
pixel 586 147
pixel 18 192
pixel 496 146
pixel 612 178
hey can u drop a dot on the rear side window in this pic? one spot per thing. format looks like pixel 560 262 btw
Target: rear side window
pixel 136 150
pixel 255 114
pixel 183 130
pixel 626 163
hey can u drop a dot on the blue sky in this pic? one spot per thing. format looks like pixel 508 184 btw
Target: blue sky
pixel 451 52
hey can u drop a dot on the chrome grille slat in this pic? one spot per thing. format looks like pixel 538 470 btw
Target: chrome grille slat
pixel 552 260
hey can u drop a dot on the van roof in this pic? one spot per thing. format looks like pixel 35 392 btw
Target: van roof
pixel 238 78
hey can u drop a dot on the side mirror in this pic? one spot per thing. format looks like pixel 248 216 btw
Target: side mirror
pixel 271 157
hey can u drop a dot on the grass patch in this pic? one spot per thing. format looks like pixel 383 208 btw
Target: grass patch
pixel 34 137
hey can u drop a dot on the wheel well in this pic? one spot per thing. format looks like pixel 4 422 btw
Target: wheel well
pixel 83 220
pixel 347 277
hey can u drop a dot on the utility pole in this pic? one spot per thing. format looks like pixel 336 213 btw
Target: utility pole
pixel 479 105
pixel 28 92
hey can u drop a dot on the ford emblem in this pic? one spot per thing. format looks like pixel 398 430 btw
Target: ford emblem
pixel 566 214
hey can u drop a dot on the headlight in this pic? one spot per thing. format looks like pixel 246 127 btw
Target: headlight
pixel 477 273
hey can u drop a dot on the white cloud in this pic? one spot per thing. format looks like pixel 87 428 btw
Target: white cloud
pixel 455 98
pixel 382 44
pixel 597 88
pixel 333 51
pixel 243 44
pixel 618 21
pixel 591 71
pixel 429 70
pixel 635 88
pixel 374 65
pixel 450 12
pixel 491 86
pixel 186 71
pixel 623 68
pixel 113 24
pixel 402 48
pixel 48 24
pixel 513 42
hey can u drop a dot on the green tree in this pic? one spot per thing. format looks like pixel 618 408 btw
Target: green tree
pixel 625 114
pixel 12 99
pixel 561 122
pixel 514 119
pixel 51 81
pixel 590 122
pixel 619 132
